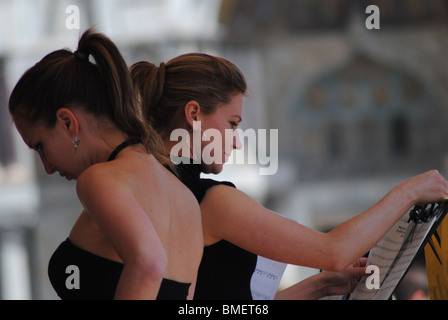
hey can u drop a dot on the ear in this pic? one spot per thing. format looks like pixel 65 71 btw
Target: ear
pixel 68 119
pixel 192 111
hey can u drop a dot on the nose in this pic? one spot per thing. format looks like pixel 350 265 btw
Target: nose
pixel 236 141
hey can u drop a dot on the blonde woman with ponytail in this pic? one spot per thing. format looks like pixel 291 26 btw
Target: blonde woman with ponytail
pixel 139 235
pixel 199 87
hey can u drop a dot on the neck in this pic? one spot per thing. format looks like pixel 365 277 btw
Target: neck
pixel 125 144
pixel 99 137
pixel 179 148
pixel 105 145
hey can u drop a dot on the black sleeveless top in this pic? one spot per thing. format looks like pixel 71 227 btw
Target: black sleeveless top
pixel 97 276
pixel 79 274
pixel 226 270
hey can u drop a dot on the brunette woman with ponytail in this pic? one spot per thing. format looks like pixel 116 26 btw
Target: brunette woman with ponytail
pixel 139 235
pixel 199 87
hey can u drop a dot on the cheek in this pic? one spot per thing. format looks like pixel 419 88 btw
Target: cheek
pixel 59 152
pixel 49 158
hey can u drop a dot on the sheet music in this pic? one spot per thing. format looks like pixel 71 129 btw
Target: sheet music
pixel 266 278
pixel 404 238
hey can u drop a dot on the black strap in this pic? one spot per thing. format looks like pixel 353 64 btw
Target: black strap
pixel 121 146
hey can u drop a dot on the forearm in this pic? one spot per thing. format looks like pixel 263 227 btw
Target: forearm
pixel 354 238
pixel 338 248
pixel 312 288
pixel 326 283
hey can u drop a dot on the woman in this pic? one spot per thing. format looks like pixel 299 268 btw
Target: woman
pixel 199 87
pixel 138 236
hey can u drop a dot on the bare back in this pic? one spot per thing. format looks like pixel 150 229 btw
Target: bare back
pixel 170 206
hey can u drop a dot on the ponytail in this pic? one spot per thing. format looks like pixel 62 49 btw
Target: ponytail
pixel 148 83
pixel 165 91
pixel 94 78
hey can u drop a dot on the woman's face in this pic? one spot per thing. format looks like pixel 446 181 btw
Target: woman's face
pixel 53 145
pixel 226 117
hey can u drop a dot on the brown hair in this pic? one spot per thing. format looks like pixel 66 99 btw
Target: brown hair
pixel 102 87
pixel 165 90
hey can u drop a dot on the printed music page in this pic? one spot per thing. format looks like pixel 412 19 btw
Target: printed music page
pixel 266 278
pixel 393 255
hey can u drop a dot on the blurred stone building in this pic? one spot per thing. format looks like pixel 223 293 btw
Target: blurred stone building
pixel 349 102
pixel 357 110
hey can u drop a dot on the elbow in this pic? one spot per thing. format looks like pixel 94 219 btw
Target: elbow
pixel 151 268
pixel 156 267
pixel 141 278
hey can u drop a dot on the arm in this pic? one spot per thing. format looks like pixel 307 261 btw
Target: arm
pixel 325 284
pixel 230 214
pixel 192 288
pixel 129 230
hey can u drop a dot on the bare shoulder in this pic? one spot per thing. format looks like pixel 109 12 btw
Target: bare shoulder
pixel 119 173
pixel 102 180
pixel 95 175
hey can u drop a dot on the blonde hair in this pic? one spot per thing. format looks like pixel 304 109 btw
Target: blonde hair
pixel 166 89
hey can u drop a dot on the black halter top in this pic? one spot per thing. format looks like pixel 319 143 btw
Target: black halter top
pixel 226 270
pixel 78 274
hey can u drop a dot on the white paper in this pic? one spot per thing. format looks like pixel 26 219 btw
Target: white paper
pixel 393 255
pixel 266 278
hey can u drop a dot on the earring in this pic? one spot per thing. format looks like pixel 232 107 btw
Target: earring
pixel 76 143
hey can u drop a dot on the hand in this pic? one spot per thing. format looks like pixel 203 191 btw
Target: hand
pixel 428 187
pixel 345 281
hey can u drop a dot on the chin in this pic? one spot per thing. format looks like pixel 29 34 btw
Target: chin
pixel 213 168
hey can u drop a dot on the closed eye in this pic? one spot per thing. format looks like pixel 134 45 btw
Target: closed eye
pixel 233 124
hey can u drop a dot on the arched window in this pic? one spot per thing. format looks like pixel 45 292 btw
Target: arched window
pixel 359 119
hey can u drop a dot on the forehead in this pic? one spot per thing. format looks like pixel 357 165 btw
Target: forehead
pixel 29 131
pixel 232 108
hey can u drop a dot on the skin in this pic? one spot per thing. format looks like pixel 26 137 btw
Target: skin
pixel 135 211
pixel 247 224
